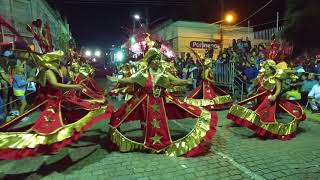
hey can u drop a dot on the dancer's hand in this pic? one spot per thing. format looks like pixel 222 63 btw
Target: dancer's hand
pixel 272 98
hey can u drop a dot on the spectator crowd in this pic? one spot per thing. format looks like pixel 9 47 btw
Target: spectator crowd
pixel 247 59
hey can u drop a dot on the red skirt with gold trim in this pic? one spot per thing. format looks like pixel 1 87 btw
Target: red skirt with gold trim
pixel 154 114
pixel 209 96
pixel 62 120
pixel 262 117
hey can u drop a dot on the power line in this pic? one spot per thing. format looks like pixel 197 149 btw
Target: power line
pixel 257 25
pixel 255 12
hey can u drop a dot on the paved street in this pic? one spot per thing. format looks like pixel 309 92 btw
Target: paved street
pixel 235 154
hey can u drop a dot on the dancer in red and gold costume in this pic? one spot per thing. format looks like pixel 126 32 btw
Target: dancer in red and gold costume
pixel 82 75
pixel 122 89
pixel 262 117
pixel 62 120
pixel 154 107
pixel 169 66
pixel 206 93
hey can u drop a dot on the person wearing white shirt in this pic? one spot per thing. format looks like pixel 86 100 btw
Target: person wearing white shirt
pixel 314 97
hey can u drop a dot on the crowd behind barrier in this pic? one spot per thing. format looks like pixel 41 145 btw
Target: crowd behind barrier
pixel 17 86
pixel 237 66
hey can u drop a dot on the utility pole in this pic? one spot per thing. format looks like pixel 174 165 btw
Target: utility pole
pixel 249 29
pixel 221 24
pixel 133 26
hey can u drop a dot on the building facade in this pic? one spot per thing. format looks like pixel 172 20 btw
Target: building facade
pixel 22 12
pixel 183 35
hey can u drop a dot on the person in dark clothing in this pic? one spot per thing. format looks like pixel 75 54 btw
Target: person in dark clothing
pixel 234 45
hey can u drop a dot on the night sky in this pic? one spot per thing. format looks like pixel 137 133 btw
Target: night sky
pixel 101 23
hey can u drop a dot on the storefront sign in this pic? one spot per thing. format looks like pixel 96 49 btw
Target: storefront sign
pixel 205 45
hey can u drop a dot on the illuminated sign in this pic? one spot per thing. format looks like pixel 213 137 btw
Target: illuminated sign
pixel 205 45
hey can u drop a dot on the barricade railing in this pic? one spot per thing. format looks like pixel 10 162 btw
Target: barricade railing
pixel 224 74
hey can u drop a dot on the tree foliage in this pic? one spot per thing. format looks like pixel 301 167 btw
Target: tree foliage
pixel 302 27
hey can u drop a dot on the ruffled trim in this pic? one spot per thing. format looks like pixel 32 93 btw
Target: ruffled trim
pixel 207 139
pixel 248 118
pixel 211 104
pixel 191 145
pixel 17 145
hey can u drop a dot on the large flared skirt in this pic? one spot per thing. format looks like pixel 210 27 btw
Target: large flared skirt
pixel 48 134
pixel 262 117
pixel 154 114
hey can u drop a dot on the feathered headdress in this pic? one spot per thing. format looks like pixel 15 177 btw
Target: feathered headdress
pixel 41 34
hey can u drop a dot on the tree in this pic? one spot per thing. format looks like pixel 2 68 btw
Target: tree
pixel 302 27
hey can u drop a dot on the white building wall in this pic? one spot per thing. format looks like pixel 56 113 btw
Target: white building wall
pixel 22 12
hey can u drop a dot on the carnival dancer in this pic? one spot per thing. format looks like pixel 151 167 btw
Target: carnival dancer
pixel 154 107
pixel 262 118
pixel 81 74
pixel 62 120
pixel 169 66
pixel 206 94
pixel 121 89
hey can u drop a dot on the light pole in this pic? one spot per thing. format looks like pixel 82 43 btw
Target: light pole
pixel 229 18
pixel 136 17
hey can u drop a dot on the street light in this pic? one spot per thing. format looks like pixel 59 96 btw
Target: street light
pixel 229 18
pixel 119 56
pixel 136 17
pixel 97 53
pixel 88 53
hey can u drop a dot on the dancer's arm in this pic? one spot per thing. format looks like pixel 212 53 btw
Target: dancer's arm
pixel 206 76
pixel 121 81
pixel 51 77
pixel 178 82
pixel 278 90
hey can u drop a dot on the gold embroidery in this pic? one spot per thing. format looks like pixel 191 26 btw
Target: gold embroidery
pixel 156 139
pixel 155 123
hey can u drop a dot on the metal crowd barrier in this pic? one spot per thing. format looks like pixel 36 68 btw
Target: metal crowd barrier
pixel 224 74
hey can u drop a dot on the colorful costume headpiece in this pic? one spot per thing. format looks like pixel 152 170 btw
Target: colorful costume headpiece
pixel 151 54
pixel 50 60
pixel 268 63
pixel 86 70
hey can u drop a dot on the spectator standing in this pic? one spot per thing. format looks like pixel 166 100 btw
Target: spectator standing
pixel 306 87
pixel 314 96
pixel 2 111
pixel 317 67
pixel 234 45
pixel 185 71
pixel 247 45
pixel 180 63
pixel 194 73
pixel 240 46
pixel 4 82
pixel 19 86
